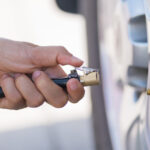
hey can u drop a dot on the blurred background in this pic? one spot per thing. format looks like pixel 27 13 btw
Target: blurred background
pixel 111 36
pixel 46 128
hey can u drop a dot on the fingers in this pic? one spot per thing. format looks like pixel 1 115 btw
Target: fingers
pixel 13 99
pixel 54 94
pixel 52 56
pixel 29 91
pixel 26 57
pixel 22 92
pixel 75 90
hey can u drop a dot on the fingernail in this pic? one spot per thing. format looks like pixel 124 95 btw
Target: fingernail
pixel 36 74
pixel 76 58
pixel 74 86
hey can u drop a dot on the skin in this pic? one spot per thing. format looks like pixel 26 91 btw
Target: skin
pixel 26 71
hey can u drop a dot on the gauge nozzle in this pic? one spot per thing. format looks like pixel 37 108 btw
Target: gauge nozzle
pixel 89 76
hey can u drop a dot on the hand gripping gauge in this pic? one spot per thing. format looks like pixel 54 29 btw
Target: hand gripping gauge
pixel 87 77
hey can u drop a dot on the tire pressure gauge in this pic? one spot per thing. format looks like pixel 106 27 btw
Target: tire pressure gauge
pixel 87 77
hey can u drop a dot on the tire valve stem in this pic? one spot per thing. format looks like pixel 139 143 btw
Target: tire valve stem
pixel 148 91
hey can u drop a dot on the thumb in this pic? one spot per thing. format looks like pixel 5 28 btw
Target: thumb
pixel 48 56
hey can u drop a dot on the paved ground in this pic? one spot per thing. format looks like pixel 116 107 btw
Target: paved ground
pixel 73 135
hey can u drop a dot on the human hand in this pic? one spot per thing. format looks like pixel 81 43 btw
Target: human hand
pixel 20 58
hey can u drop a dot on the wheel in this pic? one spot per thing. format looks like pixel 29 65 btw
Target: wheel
pixel 124 54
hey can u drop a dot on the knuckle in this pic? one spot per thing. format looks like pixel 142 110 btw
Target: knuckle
pixel 36 102
pixel 8 105
pixel 12 106
pixel 62 49
pixel 16 108
pixel 61 102
pixel 35 57
pixel 16 105
pixel 17 99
